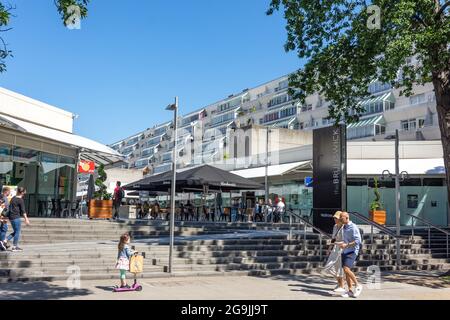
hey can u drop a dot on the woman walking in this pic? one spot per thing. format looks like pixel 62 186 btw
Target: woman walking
pixel 334 263
pixel 16 212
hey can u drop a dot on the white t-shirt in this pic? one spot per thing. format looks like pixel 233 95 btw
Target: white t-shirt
pixel 280 207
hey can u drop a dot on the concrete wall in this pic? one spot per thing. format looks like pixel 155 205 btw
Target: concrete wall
pixel 27 109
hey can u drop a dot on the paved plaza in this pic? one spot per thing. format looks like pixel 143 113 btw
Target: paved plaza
pixel 415 285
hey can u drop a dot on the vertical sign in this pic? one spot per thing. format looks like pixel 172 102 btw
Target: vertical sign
pixel 329 175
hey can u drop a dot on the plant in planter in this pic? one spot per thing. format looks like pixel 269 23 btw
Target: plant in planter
pixel 377 213
pixel 102 207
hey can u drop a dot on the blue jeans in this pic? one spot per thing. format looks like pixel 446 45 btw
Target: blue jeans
pixel 3 231
pixel 16 224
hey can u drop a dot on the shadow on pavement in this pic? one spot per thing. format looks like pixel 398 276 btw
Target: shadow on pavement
pixel 39 291
pixel 418 278
pixel 105 288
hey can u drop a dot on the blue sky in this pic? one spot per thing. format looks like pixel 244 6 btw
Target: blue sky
pixel 132 57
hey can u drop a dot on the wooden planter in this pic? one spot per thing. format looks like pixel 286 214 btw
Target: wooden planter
pixel 378 216
pixel 100 209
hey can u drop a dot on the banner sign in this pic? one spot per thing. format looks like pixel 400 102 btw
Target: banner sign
pixel 86 166
pixel 329 174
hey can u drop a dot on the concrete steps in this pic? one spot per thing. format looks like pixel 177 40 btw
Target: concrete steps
pixel 52 247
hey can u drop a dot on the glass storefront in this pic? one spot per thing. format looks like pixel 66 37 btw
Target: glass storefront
pixel 48 178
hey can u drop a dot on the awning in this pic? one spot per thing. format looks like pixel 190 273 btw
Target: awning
pixel 384 97
pixel 90 150
pixel 366 122
pixel 412 166
pixel 274 170
pixel 283 123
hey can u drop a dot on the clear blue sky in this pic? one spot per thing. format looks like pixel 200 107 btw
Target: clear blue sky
pixel 132 57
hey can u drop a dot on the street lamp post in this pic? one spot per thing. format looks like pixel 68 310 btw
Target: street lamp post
pixel 266 179
pixel 174 108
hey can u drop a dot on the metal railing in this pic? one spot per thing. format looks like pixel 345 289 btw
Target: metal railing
pixel 430 226
pixel 306 224
pixel 382 229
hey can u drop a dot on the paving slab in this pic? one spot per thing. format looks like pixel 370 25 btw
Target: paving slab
pixel 415 285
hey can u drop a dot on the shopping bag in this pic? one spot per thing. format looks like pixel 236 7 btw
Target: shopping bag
pixel 137 264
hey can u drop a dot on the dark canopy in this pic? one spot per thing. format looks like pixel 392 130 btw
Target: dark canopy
pixel 194 179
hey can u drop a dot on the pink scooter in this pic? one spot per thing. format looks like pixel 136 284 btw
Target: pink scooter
pixel 135 286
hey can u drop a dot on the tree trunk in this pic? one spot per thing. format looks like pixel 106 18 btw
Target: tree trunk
pixel 443 110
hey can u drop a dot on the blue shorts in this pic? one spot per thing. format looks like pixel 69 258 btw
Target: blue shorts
pixel 349 259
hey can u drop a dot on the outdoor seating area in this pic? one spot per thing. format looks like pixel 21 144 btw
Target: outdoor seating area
pixel 58 208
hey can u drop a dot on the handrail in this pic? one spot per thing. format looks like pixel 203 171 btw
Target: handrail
pixel 383 229
pixel 376 225
pixel 309 224
pixel 430 225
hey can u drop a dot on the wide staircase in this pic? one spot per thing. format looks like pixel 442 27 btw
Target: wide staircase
pixel 61 249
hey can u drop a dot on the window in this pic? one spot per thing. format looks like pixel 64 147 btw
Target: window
pixel 326 121
pixel 279 100
pixel 419 98
pixel 222 118
pixel 307 107
pixel 380 129
pixel 378 87
pixel 247 146
pixel 420 123
pixel 413 201
pixel 160 131
pixel 408 125
pixel 132 141
pixel 229 105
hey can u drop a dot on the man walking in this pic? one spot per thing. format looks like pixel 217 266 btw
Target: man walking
pixel 350 246
pixel 119 194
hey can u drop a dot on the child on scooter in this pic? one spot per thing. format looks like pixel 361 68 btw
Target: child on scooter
pixel 123 259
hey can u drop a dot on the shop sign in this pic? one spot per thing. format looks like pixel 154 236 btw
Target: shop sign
pixel 86 166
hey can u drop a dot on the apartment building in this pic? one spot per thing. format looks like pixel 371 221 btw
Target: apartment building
pixel 204 135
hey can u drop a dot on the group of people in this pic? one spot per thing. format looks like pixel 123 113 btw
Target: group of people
pixel 346 245
pixel 12 211
pixel 274 213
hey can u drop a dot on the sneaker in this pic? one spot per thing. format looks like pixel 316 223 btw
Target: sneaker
pixel 7 245
pixel 2 246
pixel 347 294
pixel 16 249
pixel 358 291
pixel 339 291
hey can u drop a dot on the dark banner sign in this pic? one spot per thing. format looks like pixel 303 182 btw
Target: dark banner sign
pixel 329 175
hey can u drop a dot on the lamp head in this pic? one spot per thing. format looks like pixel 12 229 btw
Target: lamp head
pixel 171 107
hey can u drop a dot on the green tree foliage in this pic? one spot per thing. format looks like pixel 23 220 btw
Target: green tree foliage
pixel 64 8
pixel 345 49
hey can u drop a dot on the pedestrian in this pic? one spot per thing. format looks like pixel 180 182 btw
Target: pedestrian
pixel 190 210
pixel 146 208
pixel 123 259
pixel 280 210
pixel 4 208
pixel 16 212
pixel 156 209
pixel 258 213
pixel 334 263
pixel 269 209
pixel 351 246
pixel 119 194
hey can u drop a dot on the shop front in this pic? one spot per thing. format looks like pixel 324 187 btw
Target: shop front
pixel 49 178
pixel 39 151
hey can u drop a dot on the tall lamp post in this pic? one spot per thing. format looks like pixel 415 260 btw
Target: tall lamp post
pixel 266 179
pixel 174 108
